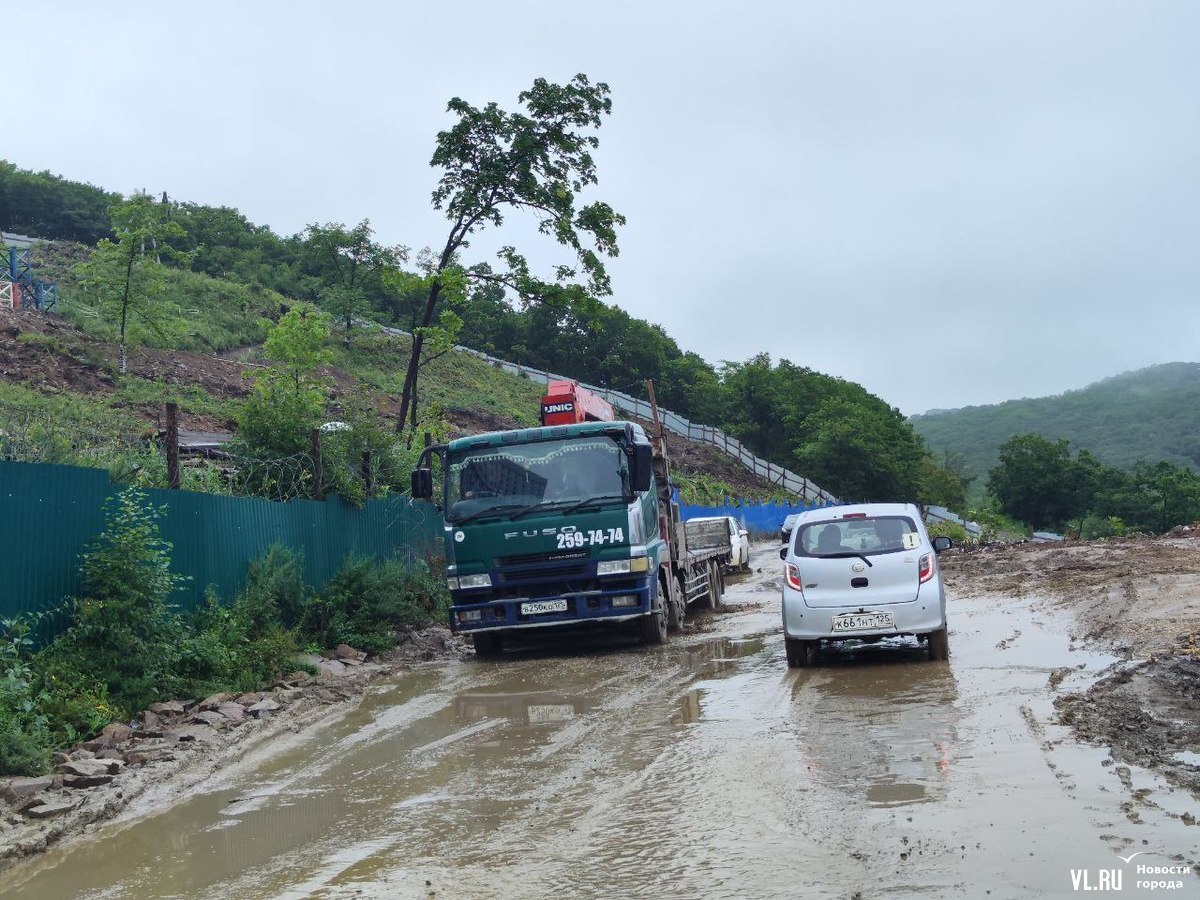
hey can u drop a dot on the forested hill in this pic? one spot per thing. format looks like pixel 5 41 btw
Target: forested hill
pixel 1150 414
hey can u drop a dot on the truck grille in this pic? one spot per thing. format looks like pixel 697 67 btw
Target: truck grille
pixel 541 566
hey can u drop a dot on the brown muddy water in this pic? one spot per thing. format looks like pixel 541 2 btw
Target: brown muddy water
pixel 704 768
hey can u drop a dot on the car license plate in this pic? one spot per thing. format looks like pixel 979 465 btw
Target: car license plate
pixel 872 621
pixel 537 607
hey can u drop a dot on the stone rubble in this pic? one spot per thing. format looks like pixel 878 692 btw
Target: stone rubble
pixel 91 780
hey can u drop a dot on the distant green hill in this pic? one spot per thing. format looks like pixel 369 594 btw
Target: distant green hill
pixel 1152 414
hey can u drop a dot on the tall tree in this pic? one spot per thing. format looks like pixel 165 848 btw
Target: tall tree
pixel 128 273
pixel 347 263
pixel 1036 481
pixel 536 161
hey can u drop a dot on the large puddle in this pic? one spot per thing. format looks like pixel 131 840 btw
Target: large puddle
pixel 702 769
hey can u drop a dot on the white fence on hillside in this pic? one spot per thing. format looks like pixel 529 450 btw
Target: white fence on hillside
pixel 808 491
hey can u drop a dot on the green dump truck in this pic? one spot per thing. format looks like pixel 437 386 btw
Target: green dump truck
pixel 564 528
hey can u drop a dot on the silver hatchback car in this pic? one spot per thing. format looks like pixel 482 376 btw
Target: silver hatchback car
pixel 862 572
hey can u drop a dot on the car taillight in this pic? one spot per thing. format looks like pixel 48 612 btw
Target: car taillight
pixel 793 576
pixel 925 568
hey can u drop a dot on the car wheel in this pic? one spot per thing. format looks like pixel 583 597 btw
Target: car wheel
pixel 939 645
pixel 488 646
pixel 800 654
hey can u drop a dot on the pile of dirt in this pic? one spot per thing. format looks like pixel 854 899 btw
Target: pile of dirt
pixel 1149 715
pixel 1139 596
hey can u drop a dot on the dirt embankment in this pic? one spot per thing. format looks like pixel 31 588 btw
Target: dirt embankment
pixel 130 771
pixel 1138 596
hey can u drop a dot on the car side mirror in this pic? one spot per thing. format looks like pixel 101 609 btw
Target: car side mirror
pixel 783 552
pixel 422 484
pixel 941 543
pixel 642 467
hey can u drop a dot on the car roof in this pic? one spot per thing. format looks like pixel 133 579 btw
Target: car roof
pixel 856 510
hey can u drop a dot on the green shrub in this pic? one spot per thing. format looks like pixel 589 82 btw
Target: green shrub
pixel 368 601
pixel 25 740
pixel 275 592
pixel 952 530
pixel 122 631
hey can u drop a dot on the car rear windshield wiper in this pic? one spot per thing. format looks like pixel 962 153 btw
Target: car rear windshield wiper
pixel 848 555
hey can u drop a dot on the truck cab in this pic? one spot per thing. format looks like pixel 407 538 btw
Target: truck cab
pixel 549 527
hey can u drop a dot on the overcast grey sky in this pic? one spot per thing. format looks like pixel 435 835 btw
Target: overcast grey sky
pixel 950 202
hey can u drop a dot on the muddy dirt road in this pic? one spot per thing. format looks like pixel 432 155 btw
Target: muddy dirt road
pixel 702 769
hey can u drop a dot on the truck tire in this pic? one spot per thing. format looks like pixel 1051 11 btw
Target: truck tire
pixel 800 654
pixel 488 646
pixel 653 628
pixel 676 609
pixel 939 645
pixel 716 585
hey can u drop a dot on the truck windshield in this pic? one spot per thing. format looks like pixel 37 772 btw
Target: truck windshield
pixel 523 475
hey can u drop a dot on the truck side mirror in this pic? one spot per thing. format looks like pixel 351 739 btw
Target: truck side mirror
pixel 642 470
pixel 422 484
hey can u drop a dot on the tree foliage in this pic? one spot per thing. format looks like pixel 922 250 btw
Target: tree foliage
pixel 288 399
pixel 127 274
pixel 1038 481
pixel 537 161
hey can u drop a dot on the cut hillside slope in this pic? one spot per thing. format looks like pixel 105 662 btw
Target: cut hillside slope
pixel 1144 415
pixel 50 366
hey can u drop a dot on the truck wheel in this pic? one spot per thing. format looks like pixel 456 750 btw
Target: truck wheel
pixel 716 584
pixel 800 654
pixel 488 646
pixel 939 645
pixel 653 628
pixel 675 614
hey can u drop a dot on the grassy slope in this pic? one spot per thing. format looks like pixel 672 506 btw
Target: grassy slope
pixel 1148 415
pixel 66 370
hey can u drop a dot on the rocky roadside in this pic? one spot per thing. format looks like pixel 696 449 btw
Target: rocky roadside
pixel 176 745
pixel 1138 596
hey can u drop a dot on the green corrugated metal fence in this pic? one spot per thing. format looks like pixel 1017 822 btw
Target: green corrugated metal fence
pixel 50 513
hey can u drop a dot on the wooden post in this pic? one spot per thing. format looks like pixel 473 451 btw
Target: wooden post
pixel 172 447
pixel 314 441
pixel 368 484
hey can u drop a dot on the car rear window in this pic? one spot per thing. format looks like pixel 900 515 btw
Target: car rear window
pixel 873 534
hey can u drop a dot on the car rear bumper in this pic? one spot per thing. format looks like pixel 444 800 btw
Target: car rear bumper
pixel 920 616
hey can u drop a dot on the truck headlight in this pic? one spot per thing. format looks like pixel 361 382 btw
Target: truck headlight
pixel 470 615
pixel 467 582
pixel 622 566
pixel 625 600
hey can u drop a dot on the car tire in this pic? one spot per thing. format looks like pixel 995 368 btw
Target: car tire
pixel 488 646
pixel 800 654
pixel 939 645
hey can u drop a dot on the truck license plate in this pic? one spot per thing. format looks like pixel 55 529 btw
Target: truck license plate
pixel 537 607
pixel 872 621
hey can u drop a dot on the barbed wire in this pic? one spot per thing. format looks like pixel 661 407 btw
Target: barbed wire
pixel 139 458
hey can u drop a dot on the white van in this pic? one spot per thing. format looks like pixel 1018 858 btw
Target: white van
pixel 862 572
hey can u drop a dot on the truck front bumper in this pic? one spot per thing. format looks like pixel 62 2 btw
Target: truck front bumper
pixel 589 606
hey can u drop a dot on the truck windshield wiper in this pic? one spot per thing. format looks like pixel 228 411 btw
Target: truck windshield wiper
pixel 545 504
pixel 490 511
pixel 607 498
